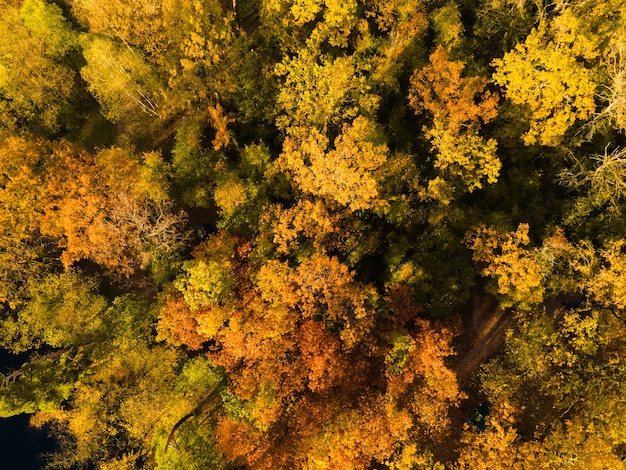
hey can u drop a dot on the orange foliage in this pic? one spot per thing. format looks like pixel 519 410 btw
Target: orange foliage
pixel 179 325
pixel 241 442
pixel 305 220
pixel 220 122
pixel 306 389
pixel 320 287
pixel 327 288
pixel 453 101
pixel 322 356
pixel 417 375
pixel 95 208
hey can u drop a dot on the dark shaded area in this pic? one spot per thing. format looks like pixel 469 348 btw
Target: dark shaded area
pixel 21 446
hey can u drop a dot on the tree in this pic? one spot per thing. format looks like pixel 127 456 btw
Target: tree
pixel 607 286
pixel 458 106
pixel 37 82
pixel 321 91
pixel 139 25
pixel 614 92
pixel 447 24
pixel 553 405
pixel 517 271
pixel 292 228
pixel 345 174
pixel 546 78
pixel 110 207
pixel 113 382
pixel 400 29
pixel 419 380
pixel 501 24
pixel 121 80
pixel 448 97
pixel 601 176
pixel 22 256
pixel 323 287
pixel 209 279
pixel 62 311
pixel 178 325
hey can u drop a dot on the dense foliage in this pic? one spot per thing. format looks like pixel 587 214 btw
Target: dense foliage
pixel 411 207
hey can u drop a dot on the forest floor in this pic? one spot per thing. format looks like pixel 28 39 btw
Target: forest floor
pixel 482 337
pixel 485 332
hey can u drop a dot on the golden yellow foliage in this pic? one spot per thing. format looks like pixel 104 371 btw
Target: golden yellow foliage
pixel 518 274
pixel 556 88
pixel 608 286
pixel 466 157
pixel 345 174
pixel 230 194
pixel 308 220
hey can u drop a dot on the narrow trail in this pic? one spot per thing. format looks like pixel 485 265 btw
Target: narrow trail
pixel 484 337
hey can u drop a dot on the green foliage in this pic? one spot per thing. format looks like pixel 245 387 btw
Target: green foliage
pixel 555 377
pixel 194 448
pixel 40 386
pixel 120 79
pixel 209 279
pixel 46 21
pixel 447 25
pixel 37 84
pixel 397 357
pixel 61 311
pixel 192 165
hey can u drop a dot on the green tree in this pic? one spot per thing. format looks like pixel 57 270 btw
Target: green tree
pixel 121 80
pixel 37 80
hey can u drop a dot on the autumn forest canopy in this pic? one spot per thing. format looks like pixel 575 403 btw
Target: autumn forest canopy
pixel 406 211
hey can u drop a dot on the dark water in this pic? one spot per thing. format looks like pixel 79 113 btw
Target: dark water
pixel 20 445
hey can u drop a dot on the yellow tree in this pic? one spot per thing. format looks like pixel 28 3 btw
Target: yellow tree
pixel 21 202
pixel 517 270
pixel 345 174
pixel 320 91
pixel 546 78
pixel 402 25
pixel 121 80
pixel 163 58
pixel 607 285
pixel 307 221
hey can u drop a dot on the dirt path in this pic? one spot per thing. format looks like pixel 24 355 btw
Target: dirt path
pixel 483 337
